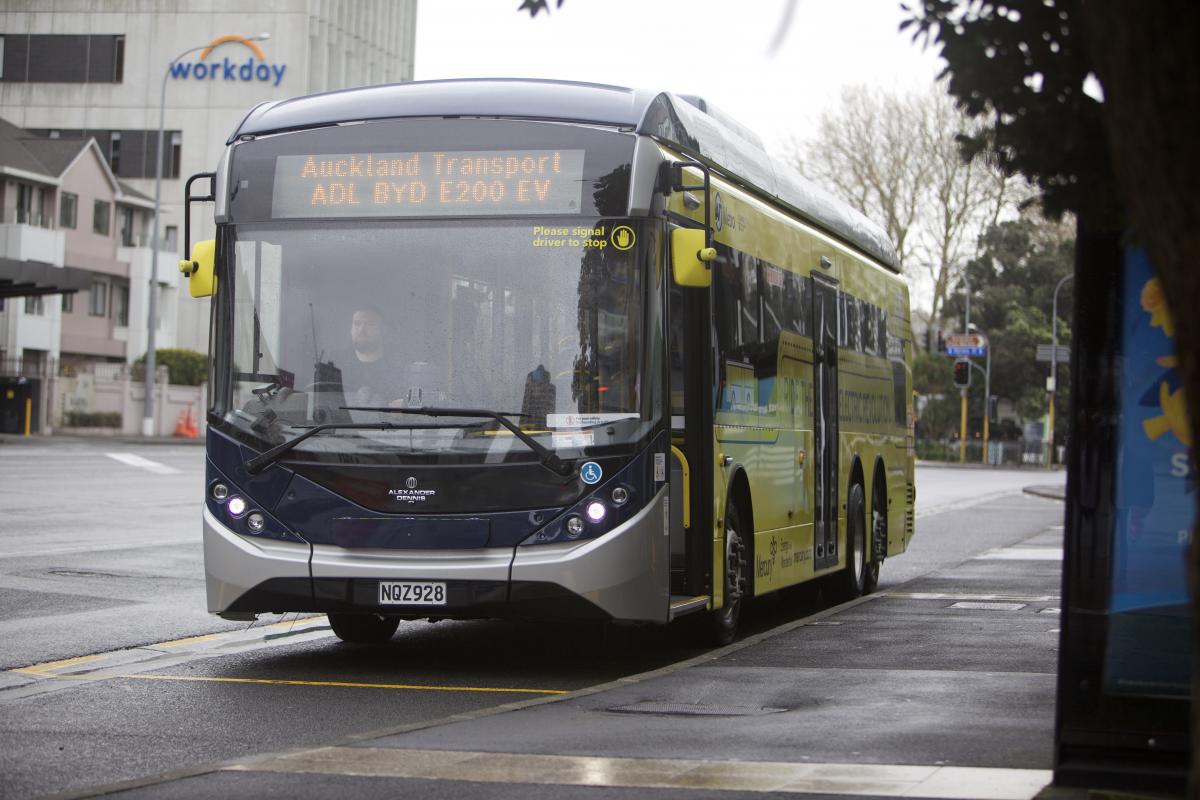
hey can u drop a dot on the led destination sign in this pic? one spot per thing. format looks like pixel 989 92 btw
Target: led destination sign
pixel 430 183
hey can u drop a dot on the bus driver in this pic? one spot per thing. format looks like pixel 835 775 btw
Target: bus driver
pixel 370 375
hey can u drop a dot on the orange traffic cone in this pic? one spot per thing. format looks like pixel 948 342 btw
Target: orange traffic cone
pixel 186 426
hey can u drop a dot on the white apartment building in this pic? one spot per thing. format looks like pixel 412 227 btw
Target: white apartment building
pixel 80 69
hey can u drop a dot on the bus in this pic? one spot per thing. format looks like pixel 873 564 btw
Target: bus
pixel 540 349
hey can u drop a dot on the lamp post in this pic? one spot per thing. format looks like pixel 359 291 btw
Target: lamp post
pixel 987 388
pixel 152 311
pixel 1054 365
pixel 962 426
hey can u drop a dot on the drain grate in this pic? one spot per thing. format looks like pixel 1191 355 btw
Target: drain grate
pixel 696 709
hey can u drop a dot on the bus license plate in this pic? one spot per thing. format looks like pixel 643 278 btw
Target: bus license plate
pixel 412 593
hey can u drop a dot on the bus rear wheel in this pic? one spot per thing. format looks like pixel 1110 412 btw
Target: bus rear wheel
pixel 363 628
pixel 737 579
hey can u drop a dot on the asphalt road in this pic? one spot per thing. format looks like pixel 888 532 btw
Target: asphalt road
pixel 102 568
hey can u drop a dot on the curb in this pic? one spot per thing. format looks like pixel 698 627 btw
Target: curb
pixel 1048 492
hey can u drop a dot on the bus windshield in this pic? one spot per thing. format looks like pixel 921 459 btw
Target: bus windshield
pixel 540 320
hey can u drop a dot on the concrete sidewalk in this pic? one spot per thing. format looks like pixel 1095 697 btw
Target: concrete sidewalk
pixel 942 687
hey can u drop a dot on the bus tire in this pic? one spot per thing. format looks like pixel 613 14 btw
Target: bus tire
pixel 854 581
pixel 736 576
pixel 363 628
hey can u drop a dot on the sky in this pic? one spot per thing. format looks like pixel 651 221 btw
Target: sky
pixel 718 49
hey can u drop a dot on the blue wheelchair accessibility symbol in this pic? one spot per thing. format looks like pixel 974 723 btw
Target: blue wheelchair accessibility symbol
pixel 591 473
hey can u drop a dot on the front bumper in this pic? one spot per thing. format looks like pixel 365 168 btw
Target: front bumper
pixel 622 575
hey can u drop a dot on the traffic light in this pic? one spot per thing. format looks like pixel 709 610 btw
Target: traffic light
pixel 962 373
pixel 941 342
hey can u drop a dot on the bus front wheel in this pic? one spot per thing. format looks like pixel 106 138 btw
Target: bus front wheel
pixel 854 581
pixel 736 578
pixel 363 628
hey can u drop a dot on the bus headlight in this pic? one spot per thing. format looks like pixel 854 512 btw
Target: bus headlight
pixel 574 527
pixel 236 507
pixel 219 492
pixel 620 496
pixel 596 511
pixel 256 522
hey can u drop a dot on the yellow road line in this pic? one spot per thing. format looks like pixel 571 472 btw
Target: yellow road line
pixel 189 640
pixel 341 684
pixel 46 668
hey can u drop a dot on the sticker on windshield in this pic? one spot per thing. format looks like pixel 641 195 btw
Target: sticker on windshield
pixel 574 439
pixel 584 420
pixel 591 473
pixel 593 237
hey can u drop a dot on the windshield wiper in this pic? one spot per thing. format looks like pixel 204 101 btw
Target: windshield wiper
pixel 547 457
pixel 267 457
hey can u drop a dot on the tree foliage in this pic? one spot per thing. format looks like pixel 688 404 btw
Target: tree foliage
pixel 1021 69
pixel 185 367
pixel 896 159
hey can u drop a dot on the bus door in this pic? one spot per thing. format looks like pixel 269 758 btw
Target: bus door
pixel 825 421
pixel 690 362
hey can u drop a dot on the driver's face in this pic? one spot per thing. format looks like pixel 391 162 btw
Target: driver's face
pixel 366 330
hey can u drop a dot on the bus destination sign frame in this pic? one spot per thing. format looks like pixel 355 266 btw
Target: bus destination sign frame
pixel 431 183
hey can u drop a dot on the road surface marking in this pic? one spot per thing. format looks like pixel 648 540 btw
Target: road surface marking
pixel 1022 554
pixel 48 667
pixel 880 780
pixel 189 640
pixel 341 684
pixel 975 606
pixel 143 463
pixel 1010 598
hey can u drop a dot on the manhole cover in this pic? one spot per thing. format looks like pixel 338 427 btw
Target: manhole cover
pixel 696 709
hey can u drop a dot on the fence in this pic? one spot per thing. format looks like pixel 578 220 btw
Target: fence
pixel 1018 453
pixel 103 398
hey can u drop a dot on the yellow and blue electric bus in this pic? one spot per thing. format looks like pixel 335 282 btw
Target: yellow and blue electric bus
pixel 526 348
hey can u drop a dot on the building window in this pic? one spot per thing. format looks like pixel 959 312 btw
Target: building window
pixel 121 305
pixel 35 306
pixel 68 303
pixel 59 58
pixel 98 300
pixel 171 240
pixel 68 210
pixel 127 227
pixel 100 213
pixel 134 155
pixel 176 155
pixel 24 203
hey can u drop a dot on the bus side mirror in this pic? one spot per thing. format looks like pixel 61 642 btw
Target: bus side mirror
pixel 690 258
pixel 199 269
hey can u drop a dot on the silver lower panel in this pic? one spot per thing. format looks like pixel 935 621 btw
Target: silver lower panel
pixel 235 564
pixel 626 573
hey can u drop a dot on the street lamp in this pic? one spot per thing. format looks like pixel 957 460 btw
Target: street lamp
pixel 962 427
pixel 152 312
pixel 1054 364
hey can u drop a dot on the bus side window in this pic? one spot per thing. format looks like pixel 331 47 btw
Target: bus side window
pixel 676 352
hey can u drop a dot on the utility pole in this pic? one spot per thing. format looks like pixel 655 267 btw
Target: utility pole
pixel 1053 387
pixel 962 427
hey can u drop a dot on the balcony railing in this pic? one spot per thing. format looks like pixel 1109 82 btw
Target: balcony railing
pixel 22 216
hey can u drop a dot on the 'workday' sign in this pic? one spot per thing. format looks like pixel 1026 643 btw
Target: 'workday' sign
pixel 228 69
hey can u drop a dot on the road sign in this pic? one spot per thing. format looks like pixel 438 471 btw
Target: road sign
pixel 966 345
pixel 1047 353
